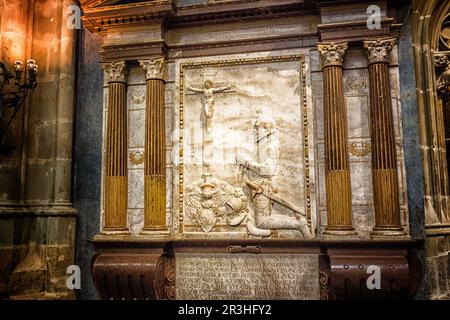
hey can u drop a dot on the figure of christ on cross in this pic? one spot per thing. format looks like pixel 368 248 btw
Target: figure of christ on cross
pixel 208 94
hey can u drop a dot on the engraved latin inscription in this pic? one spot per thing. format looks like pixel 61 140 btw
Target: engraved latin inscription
pixel 247 276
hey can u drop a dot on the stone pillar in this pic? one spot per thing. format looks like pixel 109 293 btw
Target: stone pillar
pixel 384 162
pixel 338 188
pixel 116 182
pixel 155 148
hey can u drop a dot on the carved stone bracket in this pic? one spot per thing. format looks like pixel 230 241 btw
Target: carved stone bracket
pixel 442 65
pixel 332 54
pixel 154 68
pixel 115 72
pixel 379 50
pixel 126 276
pixel 165 278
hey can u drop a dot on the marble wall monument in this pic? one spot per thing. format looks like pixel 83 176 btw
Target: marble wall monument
pixel 254 148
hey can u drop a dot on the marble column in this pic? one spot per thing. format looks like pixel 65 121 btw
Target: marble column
pixel 155 148
pixel 384 163
pixel 116 180
pixel 337 172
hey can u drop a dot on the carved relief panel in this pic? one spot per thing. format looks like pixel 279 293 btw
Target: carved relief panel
pixel 244 169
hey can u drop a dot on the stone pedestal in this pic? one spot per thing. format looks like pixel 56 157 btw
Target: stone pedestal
pixel 252 269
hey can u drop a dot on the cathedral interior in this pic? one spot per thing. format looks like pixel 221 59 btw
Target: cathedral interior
pixel 224 149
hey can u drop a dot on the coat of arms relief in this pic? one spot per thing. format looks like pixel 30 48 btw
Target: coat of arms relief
pixel 242 192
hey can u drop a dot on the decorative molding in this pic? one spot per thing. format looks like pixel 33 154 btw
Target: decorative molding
pixel 332 54
pixel 243 45
pixel 244 249
pixel 359 149
pixel 170 276
pixel 165 278
pixel 100 18
pixel 379 51
pixel 154 69
pixel 115 71
pixel 355 31
pixel 137 157
pixel 91 8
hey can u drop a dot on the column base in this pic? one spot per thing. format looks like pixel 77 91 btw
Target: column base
pixel 340 232
pixel 155 231
pixel 388 232
pixel 115 232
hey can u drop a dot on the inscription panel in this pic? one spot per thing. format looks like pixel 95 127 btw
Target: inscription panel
pixel 247 277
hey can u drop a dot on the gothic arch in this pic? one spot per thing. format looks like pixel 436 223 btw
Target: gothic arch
pixel 428 17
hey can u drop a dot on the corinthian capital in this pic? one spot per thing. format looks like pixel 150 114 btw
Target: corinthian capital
pixel 115 72
pixel 332 54
pixel 154 68
pixel 379 51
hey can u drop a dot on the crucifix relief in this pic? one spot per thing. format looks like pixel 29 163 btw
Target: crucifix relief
pixel 208 91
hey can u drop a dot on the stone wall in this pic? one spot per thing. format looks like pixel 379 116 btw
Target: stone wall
pixel 37 220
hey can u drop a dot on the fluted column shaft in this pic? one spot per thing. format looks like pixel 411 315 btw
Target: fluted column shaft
pixel 155 148
pixel 116 180
pixel 384 162
pixel 337 172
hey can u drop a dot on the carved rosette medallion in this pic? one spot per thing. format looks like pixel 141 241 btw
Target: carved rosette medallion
pixel 360 149
pixel 332 54
pixel 154 68
pixel 115 72
pixel 379 51
pixel 136 157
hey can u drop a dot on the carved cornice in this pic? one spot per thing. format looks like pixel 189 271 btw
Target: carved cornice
pixel 100 18
pixel 96 8
pixel 332 54
pixel 135 51
pixel 229 11
pixel 379 50
pixel 154 68
pixel 442 65
pixel 115 72
pixel 356 31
